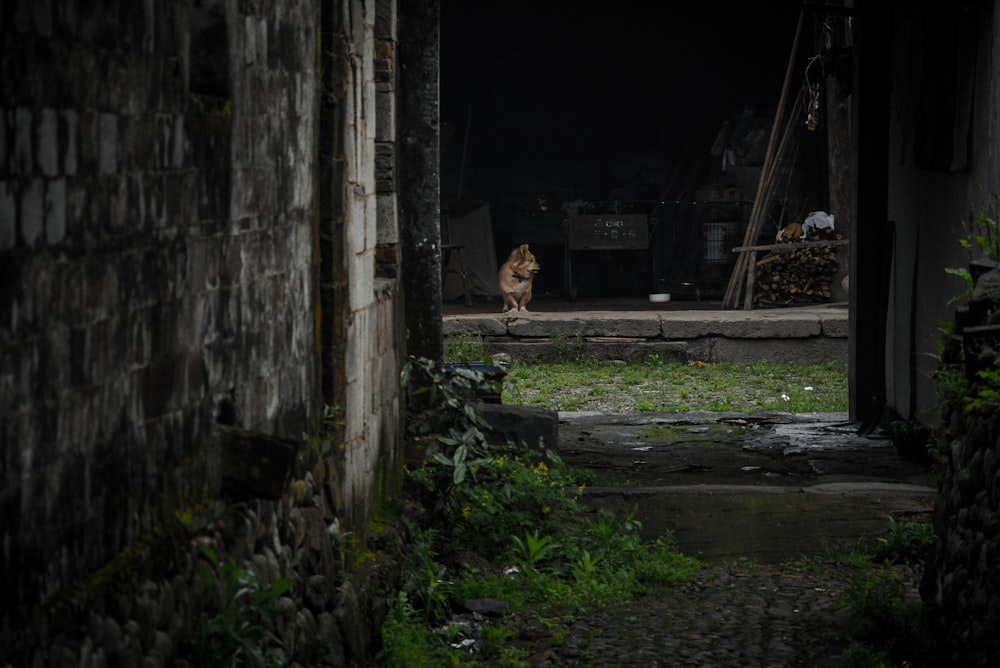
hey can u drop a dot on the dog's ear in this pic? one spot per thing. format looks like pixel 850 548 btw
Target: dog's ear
pixel 523 250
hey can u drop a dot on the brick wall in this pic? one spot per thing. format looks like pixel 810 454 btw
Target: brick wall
pixel 159 216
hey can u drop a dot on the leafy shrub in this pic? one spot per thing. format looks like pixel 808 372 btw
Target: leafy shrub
pixel 906 543
pixel 233 632
pixel 517 516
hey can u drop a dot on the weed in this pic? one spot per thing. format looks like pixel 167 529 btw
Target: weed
pixel 466 349
pixel 984 395
pixel 508 506
pixel 881 617
pixel 494 644
pixel 743 565
pixel 861 655
pixel 534 549
pixel 567 349
pixel 428 589
pixel 906 543
pixel 233 633
pixel 406 640
pixel 808 564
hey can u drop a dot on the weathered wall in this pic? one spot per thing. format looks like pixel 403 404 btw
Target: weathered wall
pixel 929 198
pixel 944 167
pixel 368 396
pixel 166 231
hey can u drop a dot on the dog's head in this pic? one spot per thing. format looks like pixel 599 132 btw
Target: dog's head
pixel 525 261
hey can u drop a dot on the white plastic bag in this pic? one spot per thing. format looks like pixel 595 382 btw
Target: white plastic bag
pixel 817 220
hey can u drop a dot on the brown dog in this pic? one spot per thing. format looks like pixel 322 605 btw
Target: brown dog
pixel 515 277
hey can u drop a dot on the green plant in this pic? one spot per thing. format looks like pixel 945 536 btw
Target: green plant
pixel 980 238
pixel 493 643
pixel 585 565
pixel 984 395
pixel 444 425
pixel 982 234
pixel 861 655
pixel 506 495
pixel 906 543
pixel 534 549
pixel 882 620
pixel 333 419
pixel 233 632
pixel 567 349
pixel 407 642
pixel 509 506
pixel 426 585
pixel 466 349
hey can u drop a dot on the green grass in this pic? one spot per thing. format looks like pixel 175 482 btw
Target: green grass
pixel 504 523
pixel 671 386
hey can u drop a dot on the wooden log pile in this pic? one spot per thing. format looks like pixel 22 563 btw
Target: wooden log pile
pixel 797 276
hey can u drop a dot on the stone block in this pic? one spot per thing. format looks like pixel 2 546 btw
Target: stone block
pixel 527 426
pixel 836 324
pixel 68 122
pixel 32 212
pixel 48 143
pixel 107 143
pixel 475 327
pixel 8 215
pixel 23 153
pixel 55 211
pixel 742 351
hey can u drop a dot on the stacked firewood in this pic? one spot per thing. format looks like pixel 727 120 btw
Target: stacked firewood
pixel 796 277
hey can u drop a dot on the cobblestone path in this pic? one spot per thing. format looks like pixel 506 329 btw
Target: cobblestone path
pixel 729 617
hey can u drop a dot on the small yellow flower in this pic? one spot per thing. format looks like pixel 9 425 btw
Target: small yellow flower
pixel 546 509
pixel 466 511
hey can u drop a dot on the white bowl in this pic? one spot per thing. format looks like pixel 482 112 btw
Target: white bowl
pixel 659 297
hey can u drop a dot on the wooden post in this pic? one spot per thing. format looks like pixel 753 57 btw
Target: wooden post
pixel 751 277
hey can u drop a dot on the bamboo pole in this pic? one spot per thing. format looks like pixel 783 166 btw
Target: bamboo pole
pixel 760 205
pixel 736 279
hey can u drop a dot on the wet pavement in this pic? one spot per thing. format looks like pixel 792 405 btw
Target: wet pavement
pixel 764 500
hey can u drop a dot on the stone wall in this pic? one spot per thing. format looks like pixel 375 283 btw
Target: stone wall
pixel 794 335
pixel 162 211
pixel 962 578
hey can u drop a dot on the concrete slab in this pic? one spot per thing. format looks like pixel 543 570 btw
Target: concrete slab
pixel 704 331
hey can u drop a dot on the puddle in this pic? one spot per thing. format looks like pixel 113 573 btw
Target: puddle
pixel 730 486
pixel 714 433
pixel 752 450
pixel 769 526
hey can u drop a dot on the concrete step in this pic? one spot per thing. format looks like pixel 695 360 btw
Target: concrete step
pixel 792 335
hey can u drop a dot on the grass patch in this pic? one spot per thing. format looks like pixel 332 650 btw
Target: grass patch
pixel 502 524
pixel 656 385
